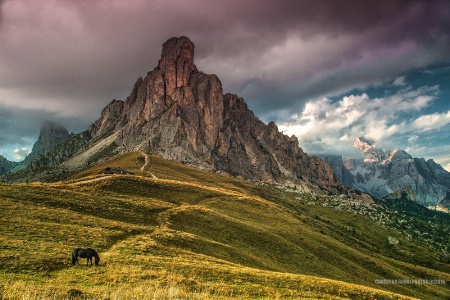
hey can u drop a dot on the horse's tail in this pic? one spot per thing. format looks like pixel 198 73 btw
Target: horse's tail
pixel 74 257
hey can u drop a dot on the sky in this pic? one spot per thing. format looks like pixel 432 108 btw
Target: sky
pixel 325 71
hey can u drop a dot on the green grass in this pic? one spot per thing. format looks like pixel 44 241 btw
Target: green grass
pixel 192 234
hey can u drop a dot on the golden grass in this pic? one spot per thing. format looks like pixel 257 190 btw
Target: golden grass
pixel 178 278
pixel 193 234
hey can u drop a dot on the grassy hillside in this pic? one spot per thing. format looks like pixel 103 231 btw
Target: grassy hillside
pixel 174 232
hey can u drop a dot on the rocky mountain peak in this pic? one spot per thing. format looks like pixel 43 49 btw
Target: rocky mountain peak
pixel 364 145
pixel 177 48
pixel 6 165
pixel 381 173
pixel 51 134
pixel 177 62
pixel 371 152
pixel 396 154
pixel 50 127
pixel 181 114
pixel 406 193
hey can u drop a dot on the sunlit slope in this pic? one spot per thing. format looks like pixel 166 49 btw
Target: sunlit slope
pixel 201 231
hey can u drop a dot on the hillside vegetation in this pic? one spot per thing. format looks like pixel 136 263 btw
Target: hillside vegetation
pixel 174 232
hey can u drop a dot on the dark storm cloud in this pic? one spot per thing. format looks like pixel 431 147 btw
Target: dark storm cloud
pixel 323 47
pixel 71 58
pixel 1 10
pixel 95 50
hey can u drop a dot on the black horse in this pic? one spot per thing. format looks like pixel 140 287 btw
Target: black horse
pixel 85 253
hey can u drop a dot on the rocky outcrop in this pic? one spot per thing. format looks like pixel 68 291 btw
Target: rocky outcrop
pixel 405 193
pixel 55 156
pixel 54 146
pixel 51 134
pixel 337 163
pixel 381 173
pixel 371 153
pixel 182 114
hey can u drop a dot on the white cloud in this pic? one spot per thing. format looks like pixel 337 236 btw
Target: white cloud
pixel 447 167
pixel 413 139
pixel 431 122
pixel 332 126
pixel 400 81
pixel 21 153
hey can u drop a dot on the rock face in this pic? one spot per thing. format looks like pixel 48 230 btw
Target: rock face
pixel 406 193
pixel 182 114
pixel 42 154
pixel 337 163
pixel 372 153
pixel 51 134
pixel 381 173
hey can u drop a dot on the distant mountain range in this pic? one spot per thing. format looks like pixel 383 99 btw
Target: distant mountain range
pixel 381 173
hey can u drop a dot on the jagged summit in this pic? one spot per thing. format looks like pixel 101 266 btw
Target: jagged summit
pixel 371 152
pixel 375 155
pixel 381 173
pixel 363 144
pixel 182 114
pixel 51 134
pixel 177 47
pixel 177 62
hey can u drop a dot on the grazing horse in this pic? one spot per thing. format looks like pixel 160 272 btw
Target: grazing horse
pixel 85 253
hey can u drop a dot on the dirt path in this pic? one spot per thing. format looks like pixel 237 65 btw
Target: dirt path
pixel 88 180
pixel 147 161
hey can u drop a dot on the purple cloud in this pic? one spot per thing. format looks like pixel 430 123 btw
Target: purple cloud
pixel 71 58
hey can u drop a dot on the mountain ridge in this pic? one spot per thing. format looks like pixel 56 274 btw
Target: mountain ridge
pixel 181 114
pixel 384 172
pixel 50 135
pixel 6 165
